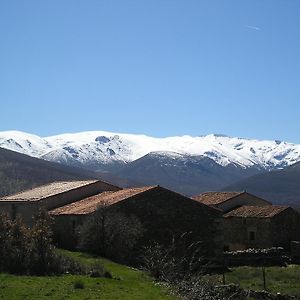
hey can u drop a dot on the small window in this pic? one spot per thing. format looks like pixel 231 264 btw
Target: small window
pixel 251 236
pixel 73 225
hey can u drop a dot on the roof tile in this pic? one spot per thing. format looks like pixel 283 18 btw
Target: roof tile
pixel 90 204
pixel 214 198
pixel 256 211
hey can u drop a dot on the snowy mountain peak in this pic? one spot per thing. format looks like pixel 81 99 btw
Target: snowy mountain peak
pixel 100 148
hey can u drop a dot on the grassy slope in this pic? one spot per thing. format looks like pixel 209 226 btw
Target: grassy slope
pixel 278 279
pixel 127 284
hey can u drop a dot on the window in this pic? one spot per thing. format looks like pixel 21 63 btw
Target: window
pixel 226 248
pixel 251 235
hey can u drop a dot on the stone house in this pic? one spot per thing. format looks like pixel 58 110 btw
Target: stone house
pixel 27 203
pixel 227 201
pixel 261 227
pixel 162 213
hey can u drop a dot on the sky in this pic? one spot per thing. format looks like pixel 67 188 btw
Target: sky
pixel 159 67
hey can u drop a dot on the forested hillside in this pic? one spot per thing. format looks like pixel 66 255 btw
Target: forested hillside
pixel 19 172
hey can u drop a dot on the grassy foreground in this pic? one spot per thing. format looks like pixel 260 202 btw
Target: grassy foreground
pixel 131 284
pixel 284 280
pixel 127 284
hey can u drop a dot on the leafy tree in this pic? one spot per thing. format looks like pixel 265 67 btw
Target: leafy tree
pixel 41 246
pixel 18 245
pixel 5 225
pixel 110 233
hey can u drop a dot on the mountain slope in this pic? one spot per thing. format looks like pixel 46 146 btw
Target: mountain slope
pixel 19 172
pixel 188 175
pixel 281 186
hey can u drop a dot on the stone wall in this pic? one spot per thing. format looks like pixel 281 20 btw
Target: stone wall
pixel 164 215
pixel 286 228
pixel 25 210
pixel 277 231
pixel 237 233
pixel 275 256
pixel 65 230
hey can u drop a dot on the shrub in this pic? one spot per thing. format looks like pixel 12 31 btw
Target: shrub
pixel 180 260
pixel 97 270
pixel 63 264
pixel 78 284
pixel 107 274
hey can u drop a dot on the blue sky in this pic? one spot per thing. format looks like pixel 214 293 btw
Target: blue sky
pixel 161 68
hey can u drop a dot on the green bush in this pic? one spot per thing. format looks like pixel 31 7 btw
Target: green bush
pixel 78 284
pixel 97 270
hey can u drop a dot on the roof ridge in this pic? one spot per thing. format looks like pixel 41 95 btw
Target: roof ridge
pixel 14 197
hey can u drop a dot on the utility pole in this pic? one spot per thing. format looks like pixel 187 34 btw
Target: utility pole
pixel 264 276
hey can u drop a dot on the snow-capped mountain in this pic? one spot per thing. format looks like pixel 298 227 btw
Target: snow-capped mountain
pixel 106 150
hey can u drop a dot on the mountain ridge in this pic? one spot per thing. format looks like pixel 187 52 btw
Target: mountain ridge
pixel 108 151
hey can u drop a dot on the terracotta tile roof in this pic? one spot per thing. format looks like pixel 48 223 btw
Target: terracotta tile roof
pixel 90 204
pixel 48 190
pixel 214 198
pixel 256 211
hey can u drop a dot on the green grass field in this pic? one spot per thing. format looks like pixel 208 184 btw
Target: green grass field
pixel 131 284
pixel 285 280
pixel 127 284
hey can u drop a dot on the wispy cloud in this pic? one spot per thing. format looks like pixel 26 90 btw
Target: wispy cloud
pixel 253 27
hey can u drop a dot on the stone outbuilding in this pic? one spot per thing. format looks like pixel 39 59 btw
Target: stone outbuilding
pixel 56 194
pixel 162 213
pixel 261 227
pixel 227 201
